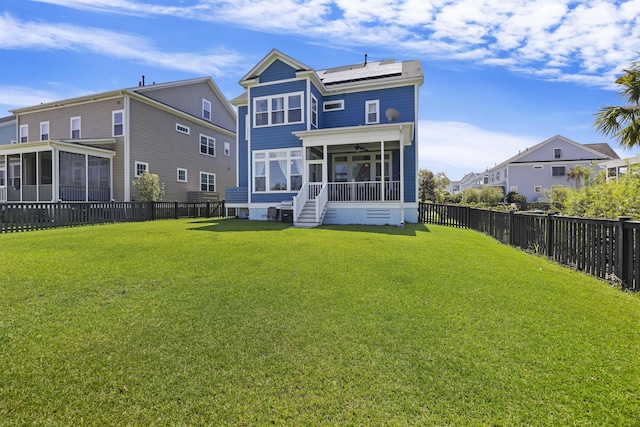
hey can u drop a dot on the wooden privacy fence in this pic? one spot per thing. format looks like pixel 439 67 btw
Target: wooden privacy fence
pixel 36 216
pixel 607 249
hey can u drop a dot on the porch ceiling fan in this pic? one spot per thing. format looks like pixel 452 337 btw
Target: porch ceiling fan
pixel 358 148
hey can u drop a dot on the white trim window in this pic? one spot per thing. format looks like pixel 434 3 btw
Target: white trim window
pixel 281 109
pixel 277 171
pixel 183 129
pixel 140 168
pixel 537 188
pixel 181 175
pixel 44 131
pixel 207 145
pixel 336 105
pixel 314 112
pixel 24 133
pixel 74 126
pixel 118 122
pixel 206 109
pixel 557 153
pixel 558 170
pixel 227 149
pixel 372 111
pixel 207 181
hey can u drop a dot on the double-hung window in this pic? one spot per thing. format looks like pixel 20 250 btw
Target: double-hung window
pixel 44 131
pixel 277 170
pixel 207 145
pixel 372 112
pixel 314 112
pixel 24 133
pixel 557 171
pixel 207 181
pixel 206 109
pixel 278 109
pixel 182 175
pixel 118 122
pixel 75 127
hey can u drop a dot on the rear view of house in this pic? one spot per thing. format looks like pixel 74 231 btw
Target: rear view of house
pixel 334 146
pixel 91 148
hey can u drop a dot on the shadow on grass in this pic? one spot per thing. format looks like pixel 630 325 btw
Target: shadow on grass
pixel 233 224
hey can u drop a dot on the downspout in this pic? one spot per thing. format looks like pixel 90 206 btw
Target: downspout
pixel 55 181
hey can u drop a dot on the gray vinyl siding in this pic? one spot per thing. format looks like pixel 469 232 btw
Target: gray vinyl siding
pixel 8 133
pixel 154 140
pixel 569 152
pixel 96 120
pixel 188 98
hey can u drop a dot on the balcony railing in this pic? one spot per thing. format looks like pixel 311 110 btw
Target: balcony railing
pixel 367 191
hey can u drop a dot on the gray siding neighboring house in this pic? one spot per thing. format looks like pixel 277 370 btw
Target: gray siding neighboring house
pixel 8 130
pixel 95 145
pixel 535 170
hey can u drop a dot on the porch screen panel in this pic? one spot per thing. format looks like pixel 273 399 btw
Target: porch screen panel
pixel 73 180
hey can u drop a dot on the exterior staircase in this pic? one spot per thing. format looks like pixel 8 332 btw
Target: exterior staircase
pixel 307 218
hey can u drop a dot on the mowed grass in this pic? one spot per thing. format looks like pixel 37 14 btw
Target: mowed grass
pixel 232 322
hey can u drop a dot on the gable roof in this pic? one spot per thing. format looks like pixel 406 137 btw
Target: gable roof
pixel 604 148
pixel 518 158
pixel 269 59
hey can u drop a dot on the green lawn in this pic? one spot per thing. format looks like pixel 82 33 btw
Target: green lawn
pixel 232 322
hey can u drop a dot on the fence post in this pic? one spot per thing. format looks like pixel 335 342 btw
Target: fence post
pixel 511 228
pixel 622 251
pixel 208 210
pixel 175 210
pixel 152 205
pixel 550 237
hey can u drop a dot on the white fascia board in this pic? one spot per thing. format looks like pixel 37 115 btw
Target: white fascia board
pixel 358 134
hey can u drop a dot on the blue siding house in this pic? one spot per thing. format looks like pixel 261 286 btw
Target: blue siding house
pixel 334 146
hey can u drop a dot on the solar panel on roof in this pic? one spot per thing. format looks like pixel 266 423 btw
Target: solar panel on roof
pixel 365 72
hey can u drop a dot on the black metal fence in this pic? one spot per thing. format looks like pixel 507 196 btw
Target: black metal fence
pixel 607 249
pixel 36 216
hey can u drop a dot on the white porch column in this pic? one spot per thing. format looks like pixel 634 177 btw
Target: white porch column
pixel 86 177
pixel 55 175
pixel 325 165
pixel 401 177
pixel 382 181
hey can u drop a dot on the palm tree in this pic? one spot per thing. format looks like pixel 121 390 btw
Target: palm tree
pixel 623 122
pixel 579 173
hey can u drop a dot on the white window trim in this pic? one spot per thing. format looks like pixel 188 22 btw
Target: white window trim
pixel 48 131
pixel 558 166
pixel 538 167
pixel 285 106
pixel 209 139
pixel 350 161
pixel 24 134
pixel 135 168
pixel 537 188
pixel 183 129
pixel 206 103
pixel 178 175
pixel 554 153
pixel 79 119
pixel 227 149
pixel 339 102
pixel 113 122
pixel 375 102
pixel 215 181
pixel 289 157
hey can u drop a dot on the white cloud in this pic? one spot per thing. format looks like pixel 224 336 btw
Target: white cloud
pixel 586 41
pixel 458 148
pixel 38 35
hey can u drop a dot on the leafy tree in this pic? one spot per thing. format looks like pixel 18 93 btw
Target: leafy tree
pixel 149 187
pixel 558 195
pixel 432 187
pixel 515 197
pixel 482 196
pixel 623 122
pixel 579 174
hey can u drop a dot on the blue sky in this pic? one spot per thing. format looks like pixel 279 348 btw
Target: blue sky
pixel 500 76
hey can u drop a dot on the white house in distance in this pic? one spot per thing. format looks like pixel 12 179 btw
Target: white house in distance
pixel 536 169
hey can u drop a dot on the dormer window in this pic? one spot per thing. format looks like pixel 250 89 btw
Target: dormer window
pixel 278 109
